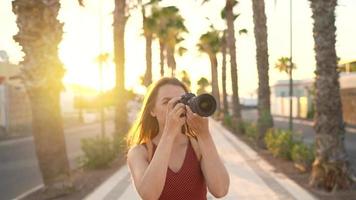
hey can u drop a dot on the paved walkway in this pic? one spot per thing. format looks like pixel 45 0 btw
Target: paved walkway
pixel 250 176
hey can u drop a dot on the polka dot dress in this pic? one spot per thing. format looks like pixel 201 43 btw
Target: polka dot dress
pixel 186 184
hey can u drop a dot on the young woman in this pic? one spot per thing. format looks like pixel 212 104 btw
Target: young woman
pixel 167 161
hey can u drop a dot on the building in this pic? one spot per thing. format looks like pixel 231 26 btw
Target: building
pixel 303 97
pixel 347 66
pixel 15 112
pixel 348 96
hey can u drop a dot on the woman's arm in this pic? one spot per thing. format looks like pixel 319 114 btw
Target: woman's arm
pixel 149 178
pixel 214 171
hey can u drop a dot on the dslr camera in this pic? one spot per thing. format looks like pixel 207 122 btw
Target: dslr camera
pixel 204 104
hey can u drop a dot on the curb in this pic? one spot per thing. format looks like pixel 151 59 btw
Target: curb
pixel 348 128
pixel 28 192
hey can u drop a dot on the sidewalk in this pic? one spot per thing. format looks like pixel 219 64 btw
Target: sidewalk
pixel 250 176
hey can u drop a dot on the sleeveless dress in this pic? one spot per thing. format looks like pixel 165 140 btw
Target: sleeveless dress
pixel 186 184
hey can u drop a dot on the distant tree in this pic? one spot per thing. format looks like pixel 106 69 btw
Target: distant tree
pixel 230 39
pixel 283 65
pixel 185 78
pixel 169 27
pixel 121 114
pixel 202 83
pixel 210 43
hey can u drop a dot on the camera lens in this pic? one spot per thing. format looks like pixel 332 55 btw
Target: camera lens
pixel 204 105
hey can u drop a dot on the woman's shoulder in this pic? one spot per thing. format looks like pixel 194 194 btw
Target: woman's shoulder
pixel 137 151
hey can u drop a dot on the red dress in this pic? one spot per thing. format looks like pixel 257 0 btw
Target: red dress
pixel 188 183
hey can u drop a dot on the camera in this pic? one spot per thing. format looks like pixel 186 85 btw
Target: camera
pixel 204 104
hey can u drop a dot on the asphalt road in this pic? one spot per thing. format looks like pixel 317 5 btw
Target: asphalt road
pixel 19 170
pixel 308 133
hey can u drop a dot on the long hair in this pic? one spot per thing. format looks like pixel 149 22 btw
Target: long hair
pixel 146 126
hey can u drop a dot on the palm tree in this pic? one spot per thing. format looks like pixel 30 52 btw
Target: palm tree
pixel 203 83
pixel 265 120
pixel 331 168
pixel 39 34
pixel 283 65
pixel 160 31
pixel 223 74
pixel 149 24
pixel 210 43
pixel 232 50
pixel 169 26
pixel 175 28
pixel 120 18
pixel 185 78
pixel 101 59
pixel 223 51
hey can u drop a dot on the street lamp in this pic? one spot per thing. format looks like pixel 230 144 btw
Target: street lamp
pixel 102 57
pixel 291 69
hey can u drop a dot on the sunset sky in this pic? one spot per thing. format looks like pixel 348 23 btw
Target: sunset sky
pixel 81 40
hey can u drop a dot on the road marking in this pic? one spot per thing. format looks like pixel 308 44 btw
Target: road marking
pixel 29 192
pixel 15 141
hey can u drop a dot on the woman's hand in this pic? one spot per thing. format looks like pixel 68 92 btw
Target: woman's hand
pixel 200 125
pixel 175 117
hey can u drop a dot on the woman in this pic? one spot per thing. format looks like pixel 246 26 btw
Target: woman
pixel 168 161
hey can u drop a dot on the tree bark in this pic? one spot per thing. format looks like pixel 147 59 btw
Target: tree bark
pixel 148 36
pixel 214 80
pixel 232 50
pixel 161 57
pixel 148 74
pixel 39 34
pixel 171 62
pixel 121 121
pixel 265 120
pixel 223 74
pixel 331 169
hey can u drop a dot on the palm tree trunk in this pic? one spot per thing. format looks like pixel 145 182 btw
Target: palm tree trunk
pixel 171 62
pixel 265 120
pixel 232 49
pixel 161 57
pixel 40 34
pixel 331 168
pixel 121 121
pixel 148 36
pixel 214 80
pixel 223 74
pixel 148 74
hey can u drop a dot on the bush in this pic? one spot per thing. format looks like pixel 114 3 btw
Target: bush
pixel 251 131
pixel 99 152
pixel 279 143
pixel 302 154
pixel 227 120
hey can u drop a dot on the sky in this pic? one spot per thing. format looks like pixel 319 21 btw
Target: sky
pixel 85 37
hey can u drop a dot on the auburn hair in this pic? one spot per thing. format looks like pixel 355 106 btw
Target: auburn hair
pixel 146 127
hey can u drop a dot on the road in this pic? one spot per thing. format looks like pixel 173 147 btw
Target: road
pixel 19 170
pixel 308 132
